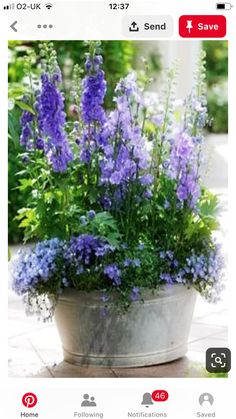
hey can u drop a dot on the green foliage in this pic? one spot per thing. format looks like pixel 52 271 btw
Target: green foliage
pixel 217 60
pixel 104 225
pixel 218 106
pixel 217 77
pixel 119 59
pixel 16 199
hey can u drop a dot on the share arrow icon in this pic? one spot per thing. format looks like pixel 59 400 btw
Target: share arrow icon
pixel 134 27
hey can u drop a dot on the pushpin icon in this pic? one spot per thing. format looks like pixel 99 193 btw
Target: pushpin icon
pixel 189 25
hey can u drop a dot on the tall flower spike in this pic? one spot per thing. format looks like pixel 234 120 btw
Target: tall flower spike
pixel 183 167
pixel 51 123
pixel 94 90
pixel 126 157
pixel 92 112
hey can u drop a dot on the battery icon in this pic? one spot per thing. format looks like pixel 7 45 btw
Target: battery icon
pixel 224 6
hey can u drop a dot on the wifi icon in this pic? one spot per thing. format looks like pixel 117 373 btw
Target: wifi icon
pixel 48 5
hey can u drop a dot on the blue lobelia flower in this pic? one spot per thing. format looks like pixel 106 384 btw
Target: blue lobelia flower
pixel 84 249
pixel 135 294
pixel 37 265
pixel 113 273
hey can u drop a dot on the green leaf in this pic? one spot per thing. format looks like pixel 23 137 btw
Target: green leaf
pixel 209 206
pixel 26 183
pixel 13 126
pixel 27 216
pixel 113 239
pixel 24 106
pixel 105 226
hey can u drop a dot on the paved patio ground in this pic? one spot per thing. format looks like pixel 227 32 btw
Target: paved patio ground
pixel 35 348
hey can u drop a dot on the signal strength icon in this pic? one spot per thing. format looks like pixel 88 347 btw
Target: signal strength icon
pixel 48 5
pixel 9 7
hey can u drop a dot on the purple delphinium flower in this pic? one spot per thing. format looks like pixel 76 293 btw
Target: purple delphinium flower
pixel 91 214
pixel 147 194
pixel 113 273
pixel 106 202
pixel 39 143
pixel 165 164
pixel 92 111
pixel 183 167
pixel 200 111
pixel 128 85
pixel 25 158
pixel 125 154
pixel 158 119
pixel 26 129
pixel 85 156
pixel 146 179
pixel 51 123
pixel 93 92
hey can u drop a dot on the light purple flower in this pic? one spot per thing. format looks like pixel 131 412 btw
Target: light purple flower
pixel 113 273
pixel 135 294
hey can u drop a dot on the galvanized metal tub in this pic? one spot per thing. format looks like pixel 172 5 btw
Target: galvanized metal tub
pixel 150 333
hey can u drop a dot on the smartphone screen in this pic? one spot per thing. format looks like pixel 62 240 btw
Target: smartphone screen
pixel 120 182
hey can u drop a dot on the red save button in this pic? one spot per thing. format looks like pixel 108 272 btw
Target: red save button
pixel 202 26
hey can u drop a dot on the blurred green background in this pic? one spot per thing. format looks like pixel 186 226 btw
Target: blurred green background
pixel 120 57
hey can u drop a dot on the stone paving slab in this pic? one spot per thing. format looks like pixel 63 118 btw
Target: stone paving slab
pixel 191 366
pixel 65 369
pixel 182 368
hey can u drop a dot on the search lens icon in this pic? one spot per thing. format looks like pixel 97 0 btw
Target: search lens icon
pixel 218 360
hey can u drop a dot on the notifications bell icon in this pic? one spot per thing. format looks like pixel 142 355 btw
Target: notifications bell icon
pixel 147 399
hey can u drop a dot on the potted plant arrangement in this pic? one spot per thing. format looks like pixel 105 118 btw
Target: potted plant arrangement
pixel 122 224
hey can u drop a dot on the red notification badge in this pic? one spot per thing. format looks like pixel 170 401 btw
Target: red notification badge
pixel 160 396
